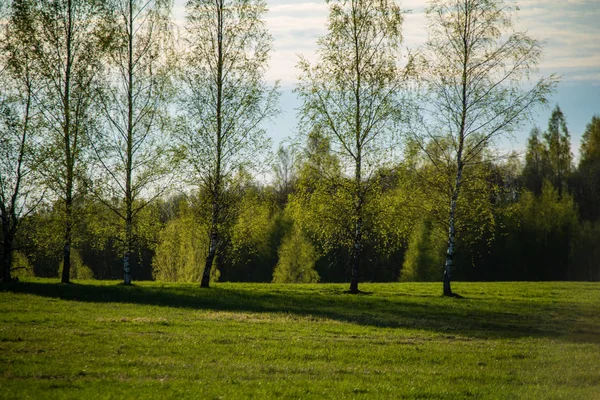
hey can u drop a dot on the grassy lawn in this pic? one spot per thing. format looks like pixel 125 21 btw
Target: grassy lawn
pixel 158 340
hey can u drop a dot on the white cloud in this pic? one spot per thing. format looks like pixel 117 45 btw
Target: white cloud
pixel 569 28
pixel 295 7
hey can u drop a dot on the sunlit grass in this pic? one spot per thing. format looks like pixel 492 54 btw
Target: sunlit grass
pixel 154 340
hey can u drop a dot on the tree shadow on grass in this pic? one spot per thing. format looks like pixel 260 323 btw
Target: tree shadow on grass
pixel 466 317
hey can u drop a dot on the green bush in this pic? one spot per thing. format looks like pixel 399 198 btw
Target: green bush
pixel 21 268
pixel 181 251
pixel 297 258
pixel 425 255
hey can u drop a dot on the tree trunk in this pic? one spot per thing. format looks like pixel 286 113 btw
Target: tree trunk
pixel 10 219
pixel 358 227
pixel 6 259
pixel 459 160
pixel 127 254
pixel 449 255
pixel 69 154
pixel 356 253
pixel 209 260
pixel 214 242
pixel 358 195
pixel 216 188
pixel 129 156
pixel 66 272
pixel 451 235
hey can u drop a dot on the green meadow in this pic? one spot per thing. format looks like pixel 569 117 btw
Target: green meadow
pixel 96 340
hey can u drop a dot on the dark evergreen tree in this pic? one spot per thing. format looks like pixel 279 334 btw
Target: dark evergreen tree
pixel 559 159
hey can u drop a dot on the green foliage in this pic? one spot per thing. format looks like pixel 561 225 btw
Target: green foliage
pixel 321 210
pixel 585 252
pixel 536 162
pixel 19 130
pixel 297 258
pixel 344 199
pixel 549 155
pixel 78 269
pixel 247 249
pixel 221 134
pixel 425 255
pixel 224 101
pixel 351 96
pixel 285 172
pixel 68 45
pixel 252 228
pixel 548 223
pixel 590 142
pixel 249 252
pixel 41 233
pixel 21 267
pixel 586 180
pixel 97 235
pixel 132 152
pixel 319 206
pixel 558 151
pixel 476 87
pixel 182 248
pixel 549 212
pixel 427 184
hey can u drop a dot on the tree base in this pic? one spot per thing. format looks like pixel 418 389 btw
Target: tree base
pixel 204 285
pixel 447 287
pixel 455 295
pixel 357 292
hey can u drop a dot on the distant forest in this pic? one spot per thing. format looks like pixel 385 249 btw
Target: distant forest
pixel 132 150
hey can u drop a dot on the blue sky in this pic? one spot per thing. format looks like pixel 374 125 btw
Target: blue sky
pixel 569 28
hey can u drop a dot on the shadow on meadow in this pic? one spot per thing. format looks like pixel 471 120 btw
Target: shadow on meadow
pixel 478 318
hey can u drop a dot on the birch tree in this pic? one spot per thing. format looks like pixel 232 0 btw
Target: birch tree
pixel 132 149
pixel 18 196
pixel 476 75
pixel 224 101
pixel 351 95
pixel 67 41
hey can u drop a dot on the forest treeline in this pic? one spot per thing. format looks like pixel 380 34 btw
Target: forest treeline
pixel 131 150
pixel 525 219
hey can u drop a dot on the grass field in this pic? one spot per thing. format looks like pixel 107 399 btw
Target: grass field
pixel 157 340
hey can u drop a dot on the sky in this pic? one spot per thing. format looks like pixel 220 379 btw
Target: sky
pixel 570 30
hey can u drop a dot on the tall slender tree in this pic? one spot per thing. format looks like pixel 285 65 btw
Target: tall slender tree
pixel 558 154
pixel 475 72
pixel 224 101
pixel 132 150
pixel 17 114
pixel 586 183
pixel 351 96
pixel 536 160
pixel 68 42
pixel 285 172
pixel 590 142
